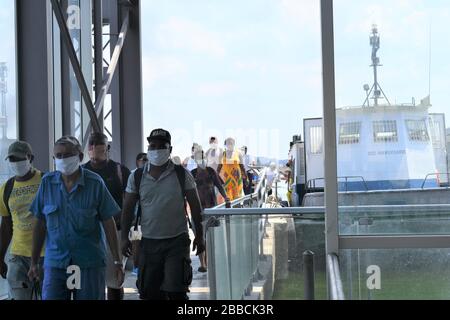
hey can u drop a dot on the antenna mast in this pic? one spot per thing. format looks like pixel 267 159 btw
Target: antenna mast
pixel 376 88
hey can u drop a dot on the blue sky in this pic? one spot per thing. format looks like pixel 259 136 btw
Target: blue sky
pixel 255 65
pixel 231 67
pixel 252 69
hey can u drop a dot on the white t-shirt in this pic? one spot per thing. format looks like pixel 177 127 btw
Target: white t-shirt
pixel 247 161
pixel 271 177
pixel 191 165
pixel 213 157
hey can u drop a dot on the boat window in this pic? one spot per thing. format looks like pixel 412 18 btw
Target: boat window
pixel 316 136
pixel 385 131
pixel 349 133
pixel 435 130
pixel 417 130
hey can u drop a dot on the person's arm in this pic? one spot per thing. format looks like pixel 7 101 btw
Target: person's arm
pixel 220 166
pixel 243 172
pixel 220 187
pixel 129 204
pixel 196 210
pixel 6 232
pixel 39 234
pixel 111 236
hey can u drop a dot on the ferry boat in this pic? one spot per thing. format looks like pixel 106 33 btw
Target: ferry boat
pixel 380 146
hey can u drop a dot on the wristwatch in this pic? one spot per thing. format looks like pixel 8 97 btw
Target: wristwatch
pixel 118 263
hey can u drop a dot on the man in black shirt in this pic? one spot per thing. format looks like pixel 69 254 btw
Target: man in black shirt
pixel 115 176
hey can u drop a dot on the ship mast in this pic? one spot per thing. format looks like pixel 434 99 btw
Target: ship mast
pixel 378 93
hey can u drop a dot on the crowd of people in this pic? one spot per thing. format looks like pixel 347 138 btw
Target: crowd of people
pixel 92 216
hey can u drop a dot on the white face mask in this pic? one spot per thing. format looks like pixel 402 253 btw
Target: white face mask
pixel 20 169
pixel 68 166
pixel 158 157
pixel 214 145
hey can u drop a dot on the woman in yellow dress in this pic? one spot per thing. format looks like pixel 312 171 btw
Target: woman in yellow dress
pixel 232 171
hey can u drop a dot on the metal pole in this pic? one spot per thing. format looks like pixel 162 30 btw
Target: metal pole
pixel 329 108
pixel 98 52
pixel 98 46
pixel 65 35
pixel 308 275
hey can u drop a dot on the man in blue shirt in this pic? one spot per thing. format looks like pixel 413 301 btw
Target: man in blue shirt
pixel 71 207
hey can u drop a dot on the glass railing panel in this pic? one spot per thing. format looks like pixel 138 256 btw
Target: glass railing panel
pixel 400 274
pixel 260 257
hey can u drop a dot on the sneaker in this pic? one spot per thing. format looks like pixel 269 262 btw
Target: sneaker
pixel 202 269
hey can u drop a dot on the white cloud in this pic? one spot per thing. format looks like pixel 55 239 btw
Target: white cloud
pixel 161 68
pixel 179 33
pixel 216 89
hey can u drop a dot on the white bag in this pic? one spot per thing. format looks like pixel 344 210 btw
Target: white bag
pixel 135 235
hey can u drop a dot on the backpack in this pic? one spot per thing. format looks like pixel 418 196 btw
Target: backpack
pixel 181 176
pixel 9 186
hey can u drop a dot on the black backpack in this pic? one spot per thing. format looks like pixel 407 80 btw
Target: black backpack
pixel 9 186
pixel 181 175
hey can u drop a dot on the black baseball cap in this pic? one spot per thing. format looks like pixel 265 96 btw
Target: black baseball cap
pixel 160 134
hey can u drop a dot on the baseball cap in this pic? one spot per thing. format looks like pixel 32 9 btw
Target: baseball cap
pixel 69 140
pixel 160 134
pixel 19 149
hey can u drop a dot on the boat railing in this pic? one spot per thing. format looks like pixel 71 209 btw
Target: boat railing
pixel 311 185
pixel 437 176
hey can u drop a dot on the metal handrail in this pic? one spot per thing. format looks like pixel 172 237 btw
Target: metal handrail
pixel 437 175
pixel 392 209
pixel 311 184
pixel 335 287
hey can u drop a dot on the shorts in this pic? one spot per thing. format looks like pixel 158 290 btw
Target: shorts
pixel 19 283
pixel 164 266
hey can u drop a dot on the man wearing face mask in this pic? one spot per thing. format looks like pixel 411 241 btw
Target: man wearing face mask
pixel 214 154
pixel 165 271
pixel 16 227
pixel 189 163
pixel 71 208
pixel 207 179
pixel 115 177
